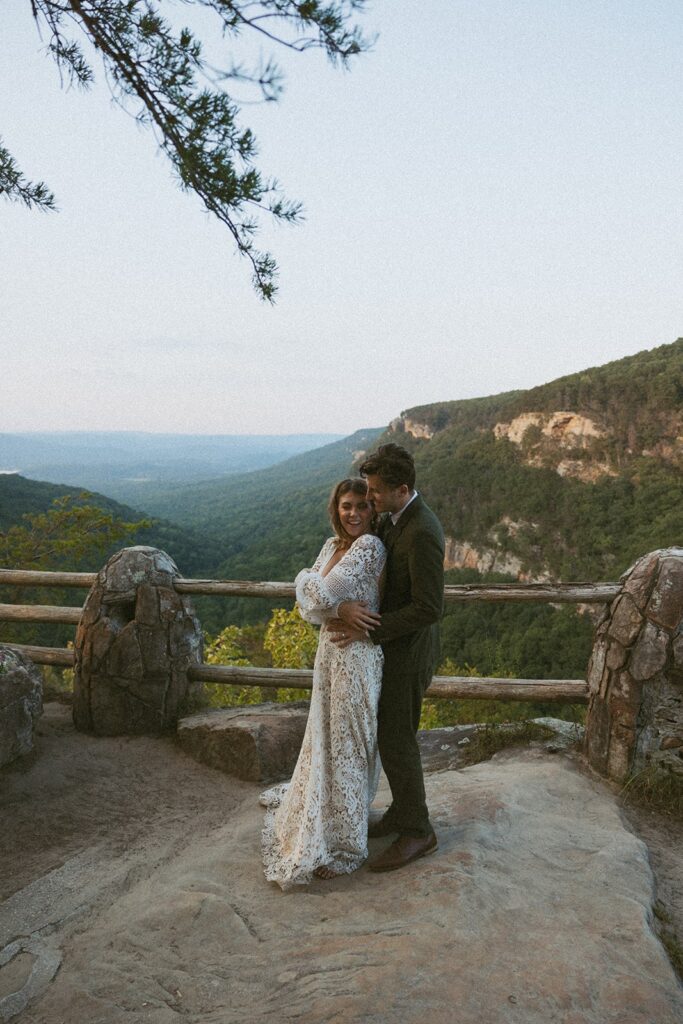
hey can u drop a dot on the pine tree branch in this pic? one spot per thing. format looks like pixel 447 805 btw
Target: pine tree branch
pixel 197 127
pixel 16 187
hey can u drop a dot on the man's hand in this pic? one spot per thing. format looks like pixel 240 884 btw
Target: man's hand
pixel 342 635
pixel 357 615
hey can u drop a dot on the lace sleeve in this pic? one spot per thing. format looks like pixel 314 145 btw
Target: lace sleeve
pixel 316 595
pixel 310 593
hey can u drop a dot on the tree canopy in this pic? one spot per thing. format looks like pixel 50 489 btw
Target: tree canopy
pixel 161 75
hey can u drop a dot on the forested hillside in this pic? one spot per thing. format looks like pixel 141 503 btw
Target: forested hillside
pixel 268 524
pixel 571 480
pixel 260 525
pixel 195 554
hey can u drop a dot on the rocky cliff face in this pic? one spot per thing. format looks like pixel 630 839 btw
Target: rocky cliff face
pixel 463 555
pixel 404 425
pixel 561 440
pixel 568 429
pixel 495 556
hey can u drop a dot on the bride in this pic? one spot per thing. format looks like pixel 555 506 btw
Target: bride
pixel 317 823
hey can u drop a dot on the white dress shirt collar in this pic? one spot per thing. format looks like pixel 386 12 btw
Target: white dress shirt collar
pixel 395 516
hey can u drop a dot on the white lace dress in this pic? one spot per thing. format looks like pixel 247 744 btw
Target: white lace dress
pixel 320 817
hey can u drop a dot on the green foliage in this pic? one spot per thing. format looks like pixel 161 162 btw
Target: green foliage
pixel 230 647
pixel 227 648
pixel 292 643
pixel 194 553
pixel 64 536
pixel 17 188
pixel 506 639
pixel 439 713
pixel 71 535
pixel 286 642
pixel 162 74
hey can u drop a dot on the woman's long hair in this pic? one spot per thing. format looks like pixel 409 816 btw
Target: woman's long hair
pixel 354 485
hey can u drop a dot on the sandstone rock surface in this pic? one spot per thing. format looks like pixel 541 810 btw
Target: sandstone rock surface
pixel 258 742
pixel 136 639
pixel 21 695
pixel 535 908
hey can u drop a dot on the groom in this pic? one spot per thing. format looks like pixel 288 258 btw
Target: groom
pixel 408 630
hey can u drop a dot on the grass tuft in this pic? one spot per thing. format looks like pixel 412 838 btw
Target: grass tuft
pixel 655 790
pixel 494 737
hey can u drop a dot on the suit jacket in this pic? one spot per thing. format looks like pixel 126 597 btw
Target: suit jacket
pixel 412 603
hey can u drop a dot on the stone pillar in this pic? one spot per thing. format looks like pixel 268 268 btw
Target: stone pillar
pixel 635 674
pixel 135 641
pixel 21 703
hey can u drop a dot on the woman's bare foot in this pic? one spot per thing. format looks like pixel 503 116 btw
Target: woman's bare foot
pixel 323 872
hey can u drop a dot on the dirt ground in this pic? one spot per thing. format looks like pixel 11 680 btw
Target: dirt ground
pixel 663 837
pixel 114 852
pixel 75 791
pixel 60 805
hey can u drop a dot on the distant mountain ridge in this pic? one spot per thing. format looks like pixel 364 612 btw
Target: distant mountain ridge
pixel 573 479
pixel 125 464
pixel 254 525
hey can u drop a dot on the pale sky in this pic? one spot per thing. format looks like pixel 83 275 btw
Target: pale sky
pixel 493 199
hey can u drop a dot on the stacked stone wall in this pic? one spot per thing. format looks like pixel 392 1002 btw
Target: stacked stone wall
pixel 635 675
pixel 135 642
pixel 21 703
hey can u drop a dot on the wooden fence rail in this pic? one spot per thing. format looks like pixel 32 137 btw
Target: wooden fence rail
pixel 446 687
pixel 61 656
pixel 39 613
pixel 583 593
pixel 574 691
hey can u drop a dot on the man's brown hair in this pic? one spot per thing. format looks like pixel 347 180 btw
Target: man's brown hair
pixel 392 464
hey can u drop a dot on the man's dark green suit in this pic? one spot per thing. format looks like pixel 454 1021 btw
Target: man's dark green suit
pixel 412 605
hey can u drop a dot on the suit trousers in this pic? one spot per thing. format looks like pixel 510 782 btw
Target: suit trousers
pixel 400 705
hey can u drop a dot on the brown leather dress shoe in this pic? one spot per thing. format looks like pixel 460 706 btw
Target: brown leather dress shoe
pixel 381 827
pixel 403 851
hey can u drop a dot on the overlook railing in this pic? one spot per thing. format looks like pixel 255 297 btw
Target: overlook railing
pixel 448 687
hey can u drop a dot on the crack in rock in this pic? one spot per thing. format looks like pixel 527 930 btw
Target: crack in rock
pixel 47 960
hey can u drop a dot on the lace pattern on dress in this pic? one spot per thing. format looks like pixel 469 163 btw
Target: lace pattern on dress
pixel 320 817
